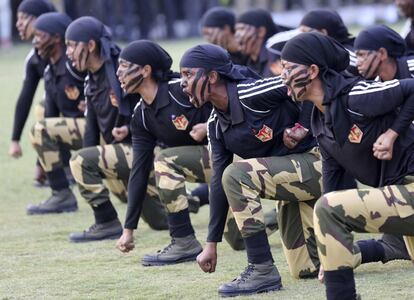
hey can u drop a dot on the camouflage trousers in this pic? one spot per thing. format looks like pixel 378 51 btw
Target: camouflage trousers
pixel 177 165
pixel 389 209
pixel 51 135
pixel 112 163
pixel 292 180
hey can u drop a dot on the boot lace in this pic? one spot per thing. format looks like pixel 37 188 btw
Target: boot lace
pixel 244 276
pixel 168 247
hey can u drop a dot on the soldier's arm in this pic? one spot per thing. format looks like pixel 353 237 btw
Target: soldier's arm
pixel 25 99
pixel 334 176
pixel 219 206
pixel 143 145
pixel 92 132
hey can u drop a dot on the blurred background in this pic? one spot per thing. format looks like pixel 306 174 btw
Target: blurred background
pixel 180 19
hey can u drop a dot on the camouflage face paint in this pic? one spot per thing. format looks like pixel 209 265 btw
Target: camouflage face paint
pixel 299 79
pixel 79 56
pixel 135 81
pixel 44 44
pixel 196 101
pixel 368 64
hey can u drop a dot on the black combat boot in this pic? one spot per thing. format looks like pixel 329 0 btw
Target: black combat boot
pixel 256 278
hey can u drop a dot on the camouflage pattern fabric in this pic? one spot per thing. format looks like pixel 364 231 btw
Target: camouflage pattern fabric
pixel 173 167
pixel 389 209
pixel 295 182
pixel 112 163
pixel 50 135
pixel 39 111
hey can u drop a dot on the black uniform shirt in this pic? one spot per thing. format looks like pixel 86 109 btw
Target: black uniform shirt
pixel 101 115
pixel 34 69
pixel 167 122
pixel 405 67
pixel 64 89
pixel 259 112
pixel 261 65
pixel 373 108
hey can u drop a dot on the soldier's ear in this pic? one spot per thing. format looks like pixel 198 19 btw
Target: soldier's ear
pixel 92 46
pixel 261 32
pixel 213 77
pixel 147 71
pixel 383 53
pixel 313 71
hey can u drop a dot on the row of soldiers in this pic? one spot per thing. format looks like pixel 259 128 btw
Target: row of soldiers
pixel 228 122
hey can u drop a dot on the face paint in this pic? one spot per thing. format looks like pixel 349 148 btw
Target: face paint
pixel 76 53
pixel 368 63
pixel 196 100
pixel 247 37
pixel 44 44
pixel 126 73
pixel 296 78
pixel 24 25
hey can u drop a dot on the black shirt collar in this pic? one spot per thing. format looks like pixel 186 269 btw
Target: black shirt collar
pixel 235 114
pixel 162 99
pixel 59 68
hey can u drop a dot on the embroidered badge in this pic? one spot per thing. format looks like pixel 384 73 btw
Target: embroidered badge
pixel 180 122
pixel 72 92
pixel 113 99
pixel 265 134
pixel 355 135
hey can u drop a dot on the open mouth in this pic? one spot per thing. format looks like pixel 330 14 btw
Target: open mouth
pixel 190 97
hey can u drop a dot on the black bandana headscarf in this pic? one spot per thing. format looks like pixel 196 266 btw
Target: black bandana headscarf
pixel 219 17
pixel 329 20
pixel 53 23
pixel 332 59
pixel 378 36
pixel 214 58
pixel 145 52
pixel 89 28
pixel 36 7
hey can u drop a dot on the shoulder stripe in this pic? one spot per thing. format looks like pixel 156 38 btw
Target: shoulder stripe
pixel 242 91
pixel 258 81
pixel 367 90
pixel 273 87
pixel 174 81
pixel 76 76
pixel 255 110
pixel 364 85
pixel 178 102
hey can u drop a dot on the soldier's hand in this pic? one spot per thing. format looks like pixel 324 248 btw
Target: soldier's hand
pixel 82 106
pixel 383 146
pixel 126 241
pixel 293 136
pixel 199 132
pixel 321 275
pixel 207 260
pixel 15 150
pixel 120 133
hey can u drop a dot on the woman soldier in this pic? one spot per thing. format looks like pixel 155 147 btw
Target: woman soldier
pixel 27 13
pixel 364 132
pixel 163 117
pixel 90 48
pixel 249 119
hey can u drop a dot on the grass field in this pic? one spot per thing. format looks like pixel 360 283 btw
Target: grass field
pixel 37 261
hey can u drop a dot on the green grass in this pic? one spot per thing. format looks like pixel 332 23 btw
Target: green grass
pixel 37 261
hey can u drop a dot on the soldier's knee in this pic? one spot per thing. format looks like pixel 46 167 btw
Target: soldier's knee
pixel 322 209
pixel 36 132
pixel 231 176
pixel 75 164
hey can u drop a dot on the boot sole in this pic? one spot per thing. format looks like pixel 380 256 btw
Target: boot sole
pixel 109 237
pixel 147 263
pixel 260 290
pixel 58 211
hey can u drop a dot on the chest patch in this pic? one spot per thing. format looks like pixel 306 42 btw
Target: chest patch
pixel 180 122
pixel 265 134
pixel 355 134
pixel 72 92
